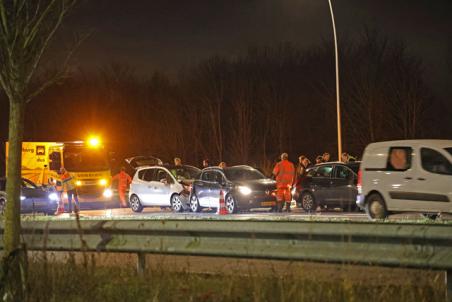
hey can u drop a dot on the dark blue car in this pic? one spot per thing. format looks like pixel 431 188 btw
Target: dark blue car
pixel 34 199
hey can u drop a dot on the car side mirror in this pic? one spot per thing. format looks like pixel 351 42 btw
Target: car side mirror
pixel 164 181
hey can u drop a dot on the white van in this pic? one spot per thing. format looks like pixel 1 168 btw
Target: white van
pixel 406 176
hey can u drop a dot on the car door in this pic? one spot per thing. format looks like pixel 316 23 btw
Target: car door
pixel 216 185
pixel 342 186
pixel 161 187
pixel 202 187
pixel 143 186
pixel 432 185
pixel 321 183
pixel 397 180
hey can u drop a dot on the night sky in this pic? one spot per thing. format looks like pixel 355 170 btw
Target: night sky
pixel 168 35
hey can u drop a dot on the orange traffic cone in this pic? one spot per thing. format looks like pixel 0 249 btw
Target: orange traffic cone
pixel 221 210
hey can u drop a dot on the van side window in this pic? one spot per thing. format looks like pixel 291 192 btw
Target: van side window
pixel 434 162
pixel 399 159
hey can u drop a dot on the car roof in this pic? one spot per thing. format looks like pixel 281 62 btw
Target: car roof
pixel 216 168
pixel 164 167
pixel 351 163
pixel 439 143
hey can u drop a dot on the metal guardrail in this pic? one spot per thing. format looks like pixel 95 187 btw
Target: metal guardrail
pixel 384 244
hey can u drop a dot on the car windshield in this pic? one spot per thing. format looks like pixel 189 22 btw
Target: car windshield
pixel 237 174
pixel 184 172
pixel 449 150
pixel 83 159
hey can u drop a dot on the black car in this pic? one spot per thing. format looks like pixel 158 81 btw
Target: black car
pixel 33 199
pixel 330 184
pixel 243 187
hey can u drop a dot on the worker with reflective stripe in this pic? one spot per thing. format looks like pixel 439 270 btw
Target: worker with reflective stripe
pixel 124 181
pixel 68 183
pixel 284 172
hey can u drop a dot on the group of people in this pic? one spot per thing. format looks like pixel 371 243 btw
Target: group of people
pixel 206 164
pixel 286 175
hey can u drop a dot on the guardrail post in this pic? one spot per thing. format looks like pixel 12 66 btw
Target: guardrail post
pixel 448 285
pixel 141 263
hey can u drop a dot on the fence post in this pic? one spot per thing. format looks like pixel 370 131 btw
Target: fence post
pixel 448 275
pixel 141 263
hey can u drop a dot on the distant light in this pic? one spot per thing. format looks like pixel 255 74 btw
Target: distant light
pixel 94 142
pixel 78 183
pixel 103 182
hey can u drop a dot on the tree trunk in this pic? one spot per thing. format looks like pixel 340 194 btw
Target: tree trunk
pixel 14 256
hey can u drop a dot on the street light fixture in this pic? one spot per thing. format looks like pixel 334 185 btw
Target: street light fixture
pixel 338 103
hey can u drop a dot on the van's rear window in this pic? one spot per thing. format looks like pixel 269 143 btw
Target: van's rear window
pixel 449 150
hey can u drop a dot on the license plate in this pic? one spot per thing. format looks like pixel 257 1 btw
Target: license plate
pixel 267 203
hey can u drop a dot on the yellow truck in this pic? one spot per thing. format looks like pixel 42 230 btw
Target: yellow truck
pixel 87 162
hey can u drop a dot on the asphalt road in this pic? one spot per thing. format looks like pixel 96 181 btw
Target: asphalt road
pixel 111 210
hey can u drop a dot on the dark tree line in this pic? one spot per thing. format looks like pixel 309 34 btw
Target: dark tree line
pixel 249 108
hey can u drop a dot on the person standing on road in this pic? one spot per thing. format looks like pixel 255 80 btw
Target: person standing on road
pixel 284 172
pixel 68 185
pixel 302 165
pixel 124 181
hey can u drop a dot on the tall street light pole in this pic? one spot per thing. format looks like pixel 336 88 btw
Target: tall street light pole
pixel 338 102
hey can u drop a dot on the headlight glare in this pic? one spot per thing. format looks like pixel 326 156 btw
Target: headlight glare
pixel 244 190
pixel 108 193
pixel 53 196
pixel 103 182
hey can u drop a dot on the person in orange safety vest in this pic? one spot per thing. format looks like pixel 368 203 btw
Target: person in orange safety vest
pixel 284 172
pixel 124 181
pixel 68 185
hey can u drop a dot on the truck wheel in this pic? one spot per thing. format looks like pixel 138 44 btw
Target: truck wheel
pixel 376 207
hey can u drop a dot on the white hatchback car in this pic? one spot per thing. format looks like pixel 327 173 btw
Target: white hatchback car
pixel 162 186
pixel 406 176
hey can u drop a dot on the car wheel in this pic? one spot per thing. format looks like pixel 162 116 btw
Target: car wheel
pixel 194 203
pixel 230 204
pixel 376 207
pixel 135 204
pixel 308 202
pixel 176 203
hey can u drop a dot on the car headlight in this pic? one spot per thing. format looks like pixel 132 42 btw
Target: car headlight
pixel 103 182
pixel 244 190
pixel 108 193
pixel 78 183
pixel 22 197
pixel 53 196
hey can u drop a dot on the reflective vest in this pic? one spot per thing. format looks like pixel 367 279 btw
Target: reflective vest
pixel 68 182
pixel 123 179
pixel 284 172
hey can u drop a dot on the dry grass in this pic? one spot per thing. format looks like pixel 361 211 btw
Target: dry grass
pixel 72 277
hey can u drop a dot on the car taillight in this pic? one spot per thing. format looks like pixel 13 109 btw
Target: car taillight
pixel 359 183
